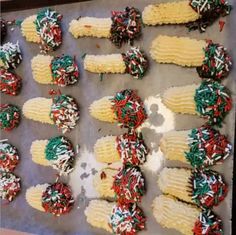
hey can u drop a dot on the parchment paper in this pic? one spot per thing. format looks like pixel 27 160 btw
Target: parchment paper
pixel 18 214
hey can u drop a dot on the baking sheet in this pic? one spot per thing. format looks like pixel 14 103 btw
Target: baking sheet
pixel 18 214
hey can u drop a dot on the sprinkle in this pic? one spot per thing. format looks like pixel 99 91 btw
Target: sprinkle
pixel 60 153
pixel 64 70
pixel 48 28
pixel 207 147
pixel 9 157
pixel 9 186
pixel 126 26
pixel 208 223
pixel 9 116
pixel 57 199
pixel 10 83
pixel 64 112
pixel 129 109
pixel 210 11
pixel 136 62
pixel 3 29
pixel 208 188
pixel 132 148
pixel 127 219
pixel 10 55
pixel 221 25
pixel 129 185
pixel 217 62
pixel 213 101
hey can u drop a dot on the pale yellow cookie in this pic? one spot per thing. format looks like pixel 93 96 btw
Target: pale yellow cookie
pixel 91 27
pixel 41 69
pixel 102 109
pixel 105 150
pixel 103 182
pixel 174 144
pixel 171 213
pixel 176 182
pixel 182 51
pixel 98 214
pixel 38 109
pixel 169 13
pixel 181 99
pixel 104 63
pixel 28 29
pixel 37 151
pixel 34 196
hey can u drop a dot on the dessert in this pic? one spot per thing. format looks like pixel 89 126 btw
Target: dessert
pixel 115 218
pixel 211 59
pixel 9 157
pixel 60 70
pixel 44 28
pixel 185 218
pixel 129 148
pixel 56 198
pixel 134 62
pixel 9 117
pixel 210 100
pixel 123 26
pixel 10 83
pixel 10 55
pixel 196 14
pixel 206 188
pixel 126 108
pixel 62 111
pixel 9 186
pixel 57 152
pixel 201 147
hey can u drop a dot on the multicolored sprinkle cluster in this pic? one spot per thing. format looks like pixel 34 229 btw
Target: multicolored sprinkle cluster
pixel 129 109
pixel 217 62
pixel 126 26
pixel 136 62
pixel 64 70
pixel 3 29
pixel 207 147
pixel 208 223
pixel 9 186
pixel 209 188
pixel 49 30
pixel 57 199
pixel 9 157
pixel 129 185
pixel 59 151
pixel 132 148
pixel 9 116
pixel 10 55
pixel 213 101
pixel 127 219
pixel 64 112
pixel 210 11
pixel 10 83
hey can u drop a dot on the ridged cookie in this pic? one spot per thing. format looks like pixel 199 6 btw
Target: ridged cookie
pixel 102 109
pixel 113 63
pixel 91 27
pixel 34 196
pixel 171 213
pixel 103 182
pixel 169 13
pixel 37 151
pixel 174 145
pixel 41 70
pixel 98 214
pixel 38 109
pixel 105 150
pixel 178 50
pixel 28 29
